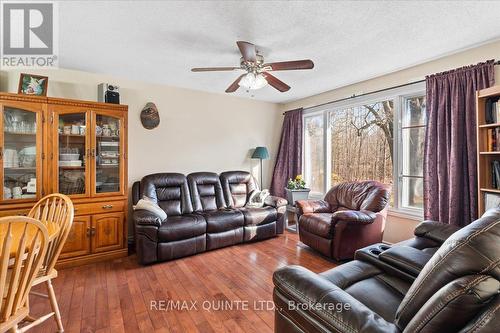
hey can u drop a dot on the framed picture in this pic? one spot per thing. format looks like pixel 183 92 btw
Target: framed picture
pixel 30 84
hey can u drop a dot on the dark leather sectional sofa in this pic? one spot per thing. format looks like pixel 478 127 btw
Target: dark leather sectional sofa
pixel 205 211
pixel 444 280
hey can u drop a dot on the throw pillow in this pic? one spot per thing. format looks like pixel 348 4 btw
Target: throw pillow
pixel 151 206
pixel 256 199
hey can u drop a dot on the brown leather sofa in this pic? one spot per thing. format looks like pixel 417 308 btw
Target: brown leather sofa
pixel 458 290
pixel 351 216
pixel 201 214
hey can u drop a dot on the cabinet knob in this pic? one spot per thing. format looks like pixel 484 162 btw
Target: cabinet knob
pixel 88 232
pixel 107 206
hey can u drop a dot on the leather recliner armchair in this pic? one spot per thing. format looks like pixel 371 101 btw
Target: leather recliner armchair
pixel 456 291
pixel 351 216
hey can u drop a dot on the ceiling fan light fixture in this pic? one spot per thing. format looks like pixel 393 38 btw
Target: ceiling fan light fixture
pixel 253 82
pixel 256 71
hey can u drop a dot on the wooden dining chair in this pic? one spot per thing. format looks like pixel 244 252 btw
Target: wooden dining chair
pixel 24 243
pixel 57 209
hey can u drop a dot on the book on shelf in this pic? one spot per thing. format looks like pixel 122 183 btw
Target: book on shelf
pixel 492 110
pixel 493 139
pixel 491 200
pixel 495 174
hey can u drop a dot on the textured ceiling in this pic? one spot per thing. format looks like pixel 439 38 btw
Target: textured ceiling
pixel 159 41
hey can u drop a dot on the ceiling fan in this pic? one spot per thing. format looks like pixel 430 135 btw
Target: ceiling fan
pixel 257 75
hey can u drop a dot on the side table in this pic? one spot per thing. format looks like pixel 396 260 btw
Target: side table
pixel 293 228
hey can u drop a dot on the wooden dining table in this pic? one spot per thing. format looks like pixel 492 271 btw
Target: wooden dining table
pixel 17 231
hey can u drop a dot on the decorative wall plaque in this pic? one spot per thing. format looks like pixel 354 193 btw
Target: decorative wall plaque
pixel 150 118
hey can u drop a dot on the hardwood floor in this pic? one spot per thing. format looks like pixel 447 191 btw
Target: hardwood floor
pixel 122 296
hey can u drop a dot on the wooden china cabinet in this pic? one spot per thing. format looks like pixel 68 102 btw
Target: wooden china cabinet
pixel 73 147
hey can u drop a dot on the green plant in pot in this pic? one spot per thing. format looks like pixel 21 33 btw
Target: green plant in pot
pixel 296 190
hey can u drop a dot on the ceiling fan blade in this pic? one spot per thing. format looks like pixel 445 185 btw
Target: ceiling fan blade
pixel 213 69
pixel 234 86
pixel 247 51
pixel 276 83
pixel 289 65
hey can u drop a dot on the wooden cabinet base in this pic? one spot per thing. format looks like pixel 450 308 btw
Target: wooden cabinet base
pixel 97 236
pixel 91 258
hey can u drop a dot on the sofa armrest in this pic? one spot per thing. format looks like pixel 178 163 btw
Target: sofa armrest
pixel 406 258
pixel 312 206
pixel 435 231
pixel 354 217
pixel 144 217
pixel 306 297
pixel 275 202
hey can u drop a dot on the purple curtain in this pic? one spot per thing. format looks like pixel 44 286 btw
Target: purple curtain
pixel 450 169
pixel 289 159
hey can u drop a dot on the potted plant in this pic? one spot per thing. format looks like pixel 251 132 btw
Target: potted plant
pixel 296 190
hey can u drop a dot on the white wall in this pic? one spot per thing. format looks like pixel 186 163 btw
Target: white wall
pixel 398 227
pixel 198 131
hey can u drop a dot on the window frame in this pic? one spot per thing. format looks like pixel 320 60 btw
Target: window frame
pixel 399 177
pixel 398 95
pixel 315 195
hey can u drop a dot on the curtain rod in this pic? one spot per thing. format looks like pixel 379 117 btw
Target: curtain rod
pixel 496 63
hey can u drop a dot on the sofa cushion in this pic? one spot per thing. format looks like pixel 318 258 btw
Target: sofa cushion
pixel 223 220
pixel 206 191
pixel 358 195
pixel 169 190
pixel 237 186
pixel 182 227
pixel 259 216
pixel 318 223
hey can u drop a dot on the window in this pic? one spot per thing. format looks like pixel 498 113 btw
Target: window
pixel 377 137
pixel 313 153
pixel 413 123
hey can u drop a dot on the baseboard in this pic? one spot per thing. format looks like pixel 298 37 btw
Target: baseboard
pixel 90 259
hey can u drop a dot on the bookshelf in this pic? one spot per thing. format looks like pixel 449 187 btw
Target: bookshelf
pixel 488 146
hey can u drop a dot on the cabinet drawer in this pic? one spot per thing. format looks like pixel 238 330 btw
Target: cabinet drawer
pixel 99 207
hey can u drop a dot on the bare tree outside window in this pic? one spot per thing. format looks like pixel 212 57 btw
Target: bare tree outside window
pixel 362 142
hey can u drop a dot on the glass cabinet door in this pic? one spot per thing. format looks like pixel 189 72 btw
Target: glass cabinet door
pixel 72 153
pixel 21 154
pixel 108 151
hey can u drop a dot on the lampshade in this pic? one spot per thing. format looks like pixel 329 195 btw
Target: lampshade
pixel 252 81
pixel 261 153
